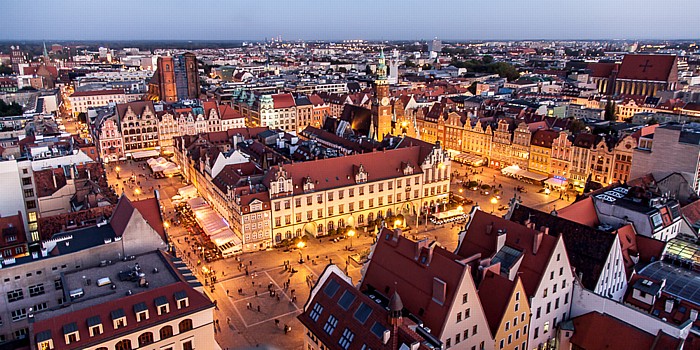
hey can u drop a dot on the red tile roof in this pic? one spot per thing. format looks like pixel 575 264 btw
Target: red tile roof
pixel 283 100
pixel 121 215
pixel 44 181
pixel 582 212
pixel 648 67
pixel 316 100
pixel 601 70
pixel 150 210
pixel 481 238
pixel 598 331
pixel 378 317
pixel 97 93
pixel 227 113
pixel 409 268
pixel 197 302
pixel 544 138
pixel 339 172
pixel 137 106
pixel 12 231
pixel 495 292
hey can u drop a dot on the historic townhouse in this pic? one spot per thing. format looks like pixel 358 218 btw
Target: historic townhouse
pixel 507 310
pixel 139 126
pixel 438 288
pixel 318 197
pixel 541 151
pixel 478 138
pixel 521 146
pixel 82 100
pixel 529 254
pixel 454 129
pixel 167 130
pixel 561 156
pixel 601 162
pixel 501 147
pixel 622 163
pixel 278 111
pixel 580 159
pixel 109 139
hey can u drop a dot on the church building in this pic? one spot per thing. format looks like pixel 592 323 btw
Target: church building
pixel 641 75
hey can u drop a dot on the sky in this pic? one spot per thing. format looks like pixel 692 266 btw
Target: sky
pixel 339 20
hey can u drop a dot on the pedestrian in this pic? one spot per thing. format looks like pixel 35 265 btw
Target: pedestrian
pixel 258 308
pixel 278 297
pixel 227 292
pixel 277 323
pixel 256 293
pixel 251 263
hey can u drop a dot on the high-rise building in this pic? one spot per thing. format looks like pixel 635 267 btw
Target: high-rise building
pixel 435 45
pixel 17 58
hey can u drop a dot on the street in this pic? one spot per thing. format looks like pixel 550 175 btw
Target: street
pixel 259 293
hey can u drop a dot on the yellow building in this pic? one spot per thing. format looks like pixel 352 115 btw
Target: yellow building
pixel 541 151
pixel 507 310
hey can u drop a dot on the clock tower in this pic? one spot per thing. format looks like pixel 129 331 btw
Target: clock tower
pixel 381 108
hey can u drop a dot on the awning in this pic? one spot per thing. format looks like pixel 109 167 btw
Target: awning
pixel 468 158
pixel 555 182
pixel 145 154
pixel 531 175
pixel 510 170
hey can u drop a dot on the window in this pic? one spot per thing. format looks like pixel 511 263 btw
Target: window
pixel 566 298
pixel 561 271
pixel 556 303
pixel 474 329
pixel 537 332
pixel 554 289
pixel 545 293
pixel 467 313
pixel 316 312
pixel 539 312
pixel 19 314
pixel 465 334
pixel 187 345
pixel 500 345
pixel 185 325
pixel 330 325
pixel 29 193
pixel 457 338
pixel 346 338
pixel 145 339
pixel 166 332
pixel 15 295
pixel 459 317
pixel 448 343
pixel 37 289
pixel 563 284
pixel 39 307
pixel 551 275
pixel 549 307
pixel 123 345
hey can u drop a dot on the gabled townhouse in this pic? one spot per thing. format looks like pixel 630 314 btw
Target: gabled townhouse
pixel 580 159
pixel 561 158
pixel 437 285
pixel 507 310
pixel 501 147
pixel 594 253
pixel 526 252
pixel 541 151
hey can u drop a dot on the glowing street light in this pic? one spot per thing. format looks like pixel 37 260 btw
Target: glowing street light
pixel 494 200
pixel 350 234
pixel 166 224
pixel 117 170
pixel 397 223
pixel 301 244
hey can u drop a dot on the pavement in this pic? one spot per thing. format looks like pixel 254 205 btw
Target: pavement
pixel 240 324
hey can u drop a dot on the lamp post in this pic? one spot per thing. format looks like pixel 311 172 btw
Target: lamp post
pixel 137 192
pixel 493 204
pixel 350 234
pixel 117 170
pixel 301 245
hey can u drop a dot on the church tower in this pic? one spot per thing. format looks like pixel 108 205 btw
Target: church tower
pixel 381 109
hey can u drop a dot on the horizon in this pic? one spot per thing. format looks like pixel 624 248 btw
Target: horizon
pixel 410 20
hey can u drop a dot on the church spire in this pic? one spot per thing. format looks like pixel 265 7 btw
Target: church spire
pixel 46 55
pixel 381 66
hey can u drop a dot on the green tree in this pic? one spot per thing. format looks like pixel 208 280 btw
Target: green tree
pixel 505 70
pixel 487 59
pixel 408 63
pixel 5 70
pixel 368 70
pixel 9 109
pixel 576 126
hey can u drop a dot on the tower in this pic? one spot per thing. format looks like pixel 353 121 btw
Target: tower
pixel 166 79
pixel 381 109
pixel 46 55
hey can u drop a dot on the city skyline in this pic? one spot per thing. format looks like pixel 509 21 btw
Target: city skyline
pixel 383 20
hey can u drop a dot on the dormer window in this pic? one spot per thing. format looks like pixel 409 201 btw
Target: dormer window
pixel 141 311
pixel 70 333
pixel 361 175
pixel 162 305
pixel 44 341
pixel 94 326
pixel 118 318
pixel 181 300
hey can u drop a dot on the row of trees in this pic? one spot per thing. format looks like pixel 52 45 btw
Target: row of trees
pixel 487 65
pixel 9 109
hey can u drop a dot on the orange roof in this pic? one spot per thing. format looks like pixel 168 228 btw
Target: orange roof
pixel 598 331
pixel 283 100
pixel 495 292
pixel 582 212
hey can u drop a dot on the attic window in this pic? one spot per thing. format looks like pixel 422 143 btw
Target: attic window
pixel 70 333
pixel 162 305
pixel 44 341
pixel 141 311
pixel 181 299
pixel 118 318
pixel 94 326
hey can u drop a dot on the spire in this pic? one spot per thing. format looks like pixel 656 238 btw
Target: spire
pixel 46 55
pixel 381 65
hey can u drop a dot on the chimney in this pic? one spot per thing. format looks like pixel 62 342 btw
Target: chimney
pixel 693 315
pixel 500 239
pixel 537 240
pixel 668 307
pixel 55 185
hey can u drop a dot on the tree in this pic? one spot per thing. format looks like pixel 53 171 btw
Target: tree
pixel 610 111
pixel 408 63
pixel 576 126
pixel 505 70
pixel 487 59
pixel 9 109
pixel 5 70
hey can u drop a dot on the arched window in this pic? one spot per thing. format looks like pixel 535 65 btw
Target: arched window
pixel 361 219
pixel 288 235
pixel 166 332
pixel 185 325
pixel 123 345
pixel 330 225
pixel 145 339
pixel 298 233
pixel 370 217
pixel 379 214
pixel 319 228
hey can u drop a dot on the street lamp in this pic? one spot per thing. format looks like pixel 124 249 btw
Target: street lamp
pixel 117 170
pixel 166 224
pixel 493 204
pixel 351 233
pixel 137 192
pixel 301 245
pixel 397 223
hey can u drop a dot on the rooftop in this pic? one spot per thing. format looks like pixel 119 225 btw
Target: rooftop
pixel 680 282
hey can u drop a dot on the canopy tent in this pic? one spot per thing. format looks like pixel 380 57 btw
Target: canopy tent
pixel 215 227
pixel 145 154
pixel 531 175
pixel 468 158
pixel 162 165
pixel 511 170
pixel 187 192
pixel 556 182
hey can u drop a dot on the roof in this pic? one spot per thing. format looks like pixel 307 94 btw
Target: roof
pixel 121 215
pixel 137 106
pixel 598 331
pixel 227 113
pixel 340 171
pixel 363 316
pixel 648 67
pixel 586 247
pixel 197 302
pixel 283 101
pixel 496 291
pixel 582 212
pixel 97 92
pixel 150 210
pixel 480 238
pixel 544 138
pixel 410 268
pixel 360 118
pixel 601 70
pixel 12 231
